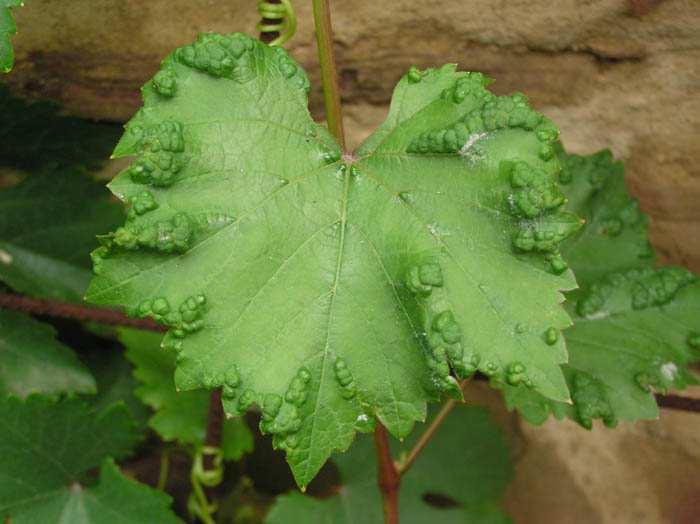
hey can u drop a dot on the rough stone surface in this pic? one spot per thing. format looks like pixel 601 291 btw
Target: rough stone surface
pixel 619 73
pixel 623 74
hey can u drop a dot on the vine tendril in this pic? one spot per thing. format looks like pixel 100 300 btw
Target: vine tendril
pixel 198 504
pixel 285 21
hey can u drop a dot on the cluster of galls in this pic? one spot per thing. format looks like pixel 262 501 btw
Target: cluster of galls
pixel 162 154
pixel 601 169
pixel 443 337
pixel 233 56
pixel 638 288
pixel 536 196
pixel 167 236
pixel 535 199
pixel 182 321
pixel 280 416
pixel 596 168
pixel 489 113
pixel 590 401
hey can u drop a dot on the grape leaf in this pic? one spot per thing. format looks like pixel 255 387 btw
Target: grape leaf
pixel 35 137
pixel 331 289
pixel 636 329
pixel 615 236
pixel 7 29
pixel 48 224
pixel 32 361
pixel 116 383
pixel 180 416
pixel 466 463
pixel 47 447
pixel 115 499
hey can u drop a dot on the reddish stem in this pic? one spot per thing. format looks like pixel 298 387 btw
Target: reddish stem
pixel 388 477
pixel 215 421
pixel 679 403
pixel 112 317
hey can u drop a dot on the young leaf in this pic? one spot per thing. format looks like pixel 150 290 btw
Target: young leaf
pixel 466 464
pixel 615 236
pixel 331 289
pixel 32 361
pixel 48 446
pixel 48 224
pixel 636 329
pixel 180 416
pixel 7 29
pixel 35 137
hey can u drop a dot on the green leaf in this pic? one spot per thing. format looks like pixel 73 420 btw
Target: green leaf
pixel 180 416
pixel 7 29
pixel 116 383
pixel 35 137
pixel 114 500
pixel 636 329
pixel 47 447
pixel 48 225
pixel 466 463
pixel 615 236
pixel 32 361
pixel 331 289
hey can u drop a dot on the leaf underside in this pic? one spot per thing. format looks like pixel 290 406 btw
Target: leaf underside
pixel 636 328
pixel 466 465
pixel 332 289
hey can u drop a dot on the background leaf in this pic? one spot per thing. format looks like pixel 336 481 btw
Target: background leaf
pixel 615 236
pixel 32 361
pixel 48 226
pixel 47 446
pixel 114 500
pixel 635 328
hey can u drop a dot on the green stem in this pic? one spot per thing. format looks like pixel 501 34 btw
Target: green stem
pixel 329 73
pixel 403 465
pixel 164 468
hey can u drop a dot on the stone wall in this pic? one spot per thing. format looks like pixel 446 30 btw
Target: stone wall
pixel 612 73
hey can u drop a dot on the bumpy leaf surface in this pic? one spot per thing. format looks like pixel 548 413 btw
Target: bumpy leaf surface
pixel 636 329
pixel 48 224
pixel 32 361
pixel 47 447
pixel 35 137
pixel 180 416
pixel 331 289
pixel 7 29
pixel 615 236
pixel 466 463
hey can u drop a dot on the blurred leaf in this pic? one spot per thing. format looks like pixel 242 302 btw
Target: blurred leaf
pixel 34 137
pixel 32 361
pixel 48 446
pixel 48 226
pixel 7 29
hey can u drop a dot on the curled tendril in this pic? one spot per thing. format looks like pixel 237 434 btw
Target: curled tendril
pixel 283 14
pixel 198 504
